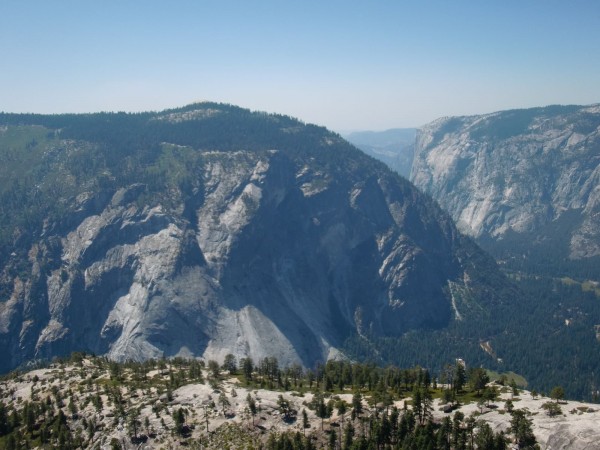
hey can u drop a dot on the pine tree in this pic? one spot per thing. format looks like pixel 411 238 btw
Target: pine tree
pixel 356 404
pixel 460 376
pixel 179 419
pixel 417 400
pixel 304 421
pixel 520 426
pixel 252 406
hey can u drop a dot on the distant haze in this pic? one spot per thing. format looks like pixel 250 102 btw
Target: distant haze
pixel 382 138
pixel 395 147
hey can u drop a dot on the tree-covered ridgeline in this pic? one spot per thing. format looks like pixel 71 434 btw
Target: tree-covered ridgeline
pixel 48 161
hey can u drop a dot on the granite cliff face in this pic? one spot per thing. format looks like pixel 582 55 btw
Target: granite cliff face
pixel 212 230
pixel 530 177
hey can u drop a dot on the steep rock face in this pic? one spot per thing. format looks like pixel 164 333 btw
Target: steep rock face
pixel 534 173
pixel 285 249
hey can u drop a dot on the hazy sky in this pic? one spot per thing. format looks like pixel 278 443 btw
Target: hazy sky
pixel 348 65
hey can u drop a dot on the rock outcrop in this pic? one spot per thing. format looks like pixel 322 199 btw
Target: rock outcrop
pixel 225 411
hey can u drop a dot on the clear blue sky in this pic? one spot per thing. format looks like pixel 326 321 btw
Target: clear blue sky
pixel 348 65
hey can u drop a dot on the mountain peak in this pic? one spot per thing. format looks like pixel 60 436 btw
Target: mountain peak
pixel 210 229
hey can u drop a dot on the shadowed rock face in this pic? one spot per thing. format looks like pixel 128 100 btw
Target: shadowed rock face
pixel 533 173
pixel 274 252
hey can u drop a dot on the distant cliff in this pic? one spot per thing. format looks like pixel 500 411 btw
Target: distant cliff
pixel 526 179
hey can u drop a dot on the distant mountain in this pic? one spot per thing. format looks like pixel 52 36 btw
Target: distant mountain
pixel 209 229
pixel 394 147
pixel 525 183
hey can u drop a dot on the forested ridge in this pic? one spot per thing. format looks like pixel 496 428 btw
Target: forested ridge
pixel 47 160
